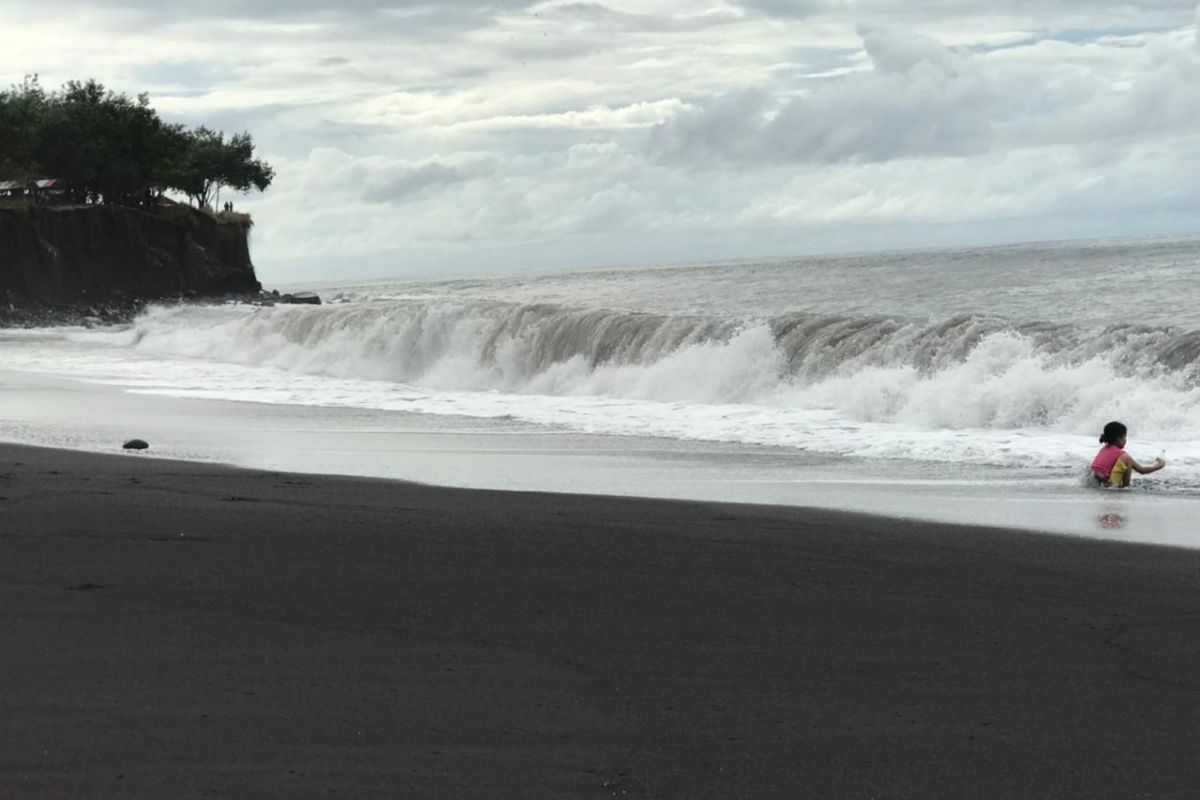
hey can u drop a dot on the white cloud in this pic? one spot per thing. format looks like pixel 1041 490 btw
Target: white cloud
pixel 919 98
pixel 408 135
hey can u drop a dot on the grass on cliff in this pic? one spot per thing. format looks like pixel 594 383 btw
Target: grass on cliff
pixel 234 218
pixel 172 211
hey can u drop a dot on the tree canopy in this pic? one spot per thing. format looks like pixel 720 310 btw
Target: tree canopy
pixel 110 148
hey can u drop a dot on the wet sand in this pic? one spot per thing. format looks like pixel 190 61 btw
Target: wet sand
pixel 175 630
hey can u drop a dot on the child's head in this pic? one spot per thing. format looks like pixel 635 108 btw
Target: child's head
pixel 1114 433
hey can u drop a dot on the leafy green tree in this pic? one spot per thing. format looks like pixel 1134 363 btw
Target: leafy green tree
pixel 211 162
pixel 109 146
pixel 112 148
pixel 22 110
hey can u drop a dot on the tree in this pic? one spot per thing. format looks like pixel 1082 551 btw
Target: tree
pixel 22 111
pixel 211 162
pixel 112 148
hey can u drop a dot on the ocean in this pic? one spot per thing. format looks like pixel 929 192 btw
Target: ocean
pixel 964 385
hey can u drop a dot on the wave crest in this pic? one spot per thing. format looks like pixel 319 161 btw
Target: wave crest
pixel 966 371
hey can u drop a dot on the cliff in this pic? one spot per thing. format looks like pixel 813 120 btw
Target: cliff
pixel 75 259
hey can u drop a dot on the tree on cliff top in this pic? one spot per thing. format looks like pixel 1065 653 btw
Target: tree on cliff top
pixel 21 112
pixel 106 146
pixel 209 162
pixel 111 148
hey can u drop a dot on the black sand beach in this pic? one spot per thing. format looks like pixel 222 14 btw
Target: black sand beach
pixel 186 631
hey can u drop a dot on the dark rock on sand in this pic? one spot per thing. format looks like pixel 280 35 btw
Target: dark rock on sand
pixel 136 444
pixel 301 298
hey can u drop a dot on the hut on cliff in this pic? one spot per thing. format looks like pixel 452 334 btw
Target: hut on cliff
pixel 49 190
pixel 12 189
pixel 42 190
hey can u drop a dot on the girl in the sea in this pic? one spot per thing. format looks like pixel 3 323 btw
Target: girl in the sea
pixel 1112 466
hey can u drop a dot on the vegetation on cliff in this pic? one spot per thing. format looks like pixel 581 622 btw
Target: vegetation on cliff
pixel 106 147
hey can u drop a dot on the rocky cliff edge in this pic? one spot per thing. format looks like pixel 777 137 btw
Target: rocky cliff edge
pixel 107 260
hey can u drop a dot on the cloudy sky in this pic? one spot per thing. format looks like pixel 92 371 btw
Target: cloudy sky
pixel 414 137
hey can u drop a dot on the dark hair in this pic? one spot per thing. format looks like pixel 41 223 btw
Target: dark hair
pixel 1112 432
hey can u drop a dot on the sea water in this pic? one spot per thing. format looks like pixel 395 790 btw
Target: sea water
pixel 927 383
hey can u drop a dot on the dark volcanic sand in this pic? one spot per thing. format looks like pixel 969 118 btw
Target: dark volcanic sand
pixel 185 631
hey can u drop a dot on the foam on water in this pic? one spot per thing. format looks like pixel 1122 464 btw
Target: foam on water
pixel 979 390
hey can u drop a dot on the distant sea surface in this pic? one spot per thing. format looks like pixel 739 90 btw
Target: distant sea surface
pixel 1001 362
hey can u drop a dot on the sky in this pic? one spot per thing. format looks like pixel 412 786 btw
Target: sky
pixel 460 136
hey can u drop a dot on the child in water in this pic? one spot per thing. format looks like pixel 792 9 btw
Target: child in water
pixel 1112 466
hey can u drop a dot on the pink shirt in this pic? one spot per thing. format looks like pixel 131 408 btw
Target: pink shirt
pixel 1106 459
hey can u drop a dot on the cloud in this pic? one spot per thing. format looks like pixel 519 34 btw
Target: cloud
pixel 613 20
pixel 283 9
pixel 919 98
pixel 408 131
pixel 787 8
pixel 943 9
pixel 330 175
pixel 896 51
pixel 410 181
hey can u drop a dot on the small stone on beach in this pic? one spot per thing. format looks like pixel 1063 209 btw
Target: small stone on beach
pixel 136 444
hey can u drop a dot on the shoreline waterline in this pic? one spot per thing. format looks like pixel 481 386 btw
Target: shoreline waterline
pixel 509 455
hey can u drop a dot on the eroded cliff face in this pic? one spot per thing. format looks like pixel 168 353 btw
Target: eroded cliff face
pixel 68 258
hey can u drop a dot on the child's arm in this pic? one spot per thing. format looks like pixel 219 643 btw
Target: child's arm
pixel 1144 470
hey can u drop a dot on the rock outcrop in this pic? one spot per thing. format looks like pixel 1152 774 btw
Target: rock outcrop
pixel 72 260
pixel 301 299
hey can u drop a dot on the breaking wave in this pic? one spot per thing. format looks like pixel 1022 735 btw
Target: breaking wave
pixel 956 373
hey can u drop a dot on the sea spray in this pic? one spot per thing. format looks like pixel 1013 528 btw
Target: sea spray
pixel 955 373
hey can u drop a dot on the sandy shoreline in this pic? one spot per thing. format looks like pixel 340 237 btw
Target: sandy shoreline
pixel 182 630
pixel 507 455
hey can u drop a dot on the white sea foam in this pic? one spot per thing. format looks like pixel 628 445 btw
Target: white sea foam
pixel 1012 357
pixel 980 390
